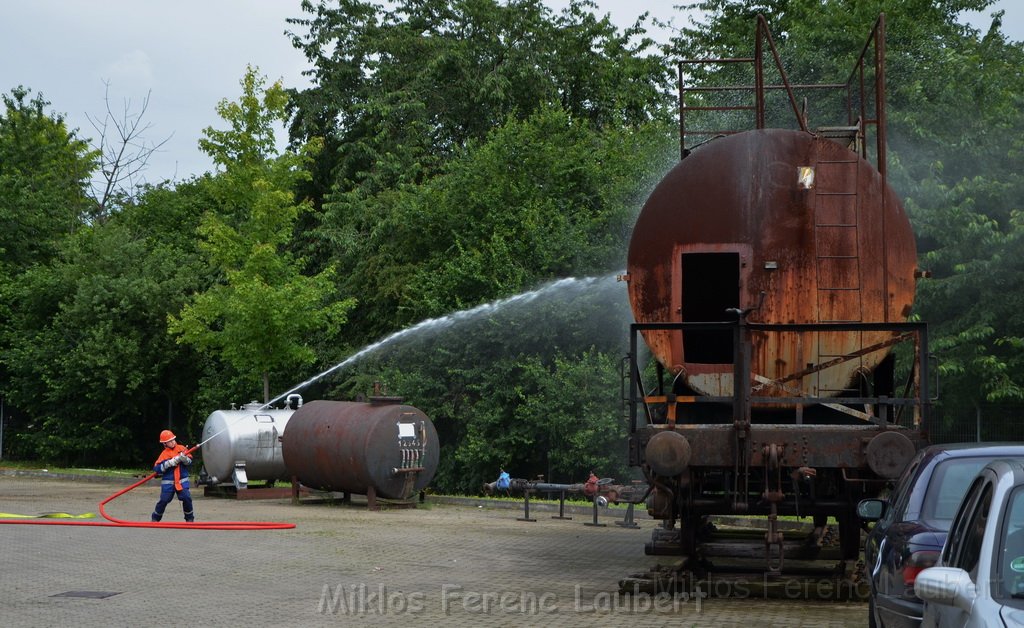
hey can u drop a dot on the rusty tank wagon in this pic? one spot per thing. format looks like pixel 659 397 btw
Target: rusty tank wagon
pixel 771 274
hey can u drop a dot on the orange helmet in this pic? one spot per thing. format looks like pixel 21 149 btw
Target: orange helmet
pixel 167 435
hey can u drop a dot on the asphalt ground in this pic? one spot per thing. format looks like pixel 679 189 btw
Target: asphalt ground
pixel 342 565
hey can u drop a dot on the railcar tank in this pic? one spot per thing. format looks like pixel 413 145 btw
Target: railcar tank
pixel 787 214
pixel 771 274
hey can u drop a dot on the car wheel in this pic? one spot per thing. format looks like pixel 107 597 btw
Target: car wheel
pixel 871 613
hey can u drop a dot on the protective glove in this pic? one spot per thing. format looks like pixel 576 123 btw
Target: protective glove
pixel 183 458
pixel 173 462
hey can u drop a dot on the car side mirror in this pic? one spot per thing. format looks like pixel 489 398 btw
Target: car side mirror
pixel 948 586
pixel 871 509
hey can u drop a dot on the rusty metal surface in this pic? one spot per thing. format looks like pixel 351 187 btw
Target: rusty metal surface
pixel 828 244
pixel 817 446
pixel 668 453
pixel 771 273
pixel 351 447
pixel 889 453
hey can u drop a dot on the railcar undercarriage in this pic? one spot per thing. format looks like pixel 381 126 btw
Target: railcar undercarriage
pixel 817 457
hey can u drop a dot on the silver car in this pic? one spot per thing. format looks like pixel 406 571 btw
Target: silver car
pixel 979 579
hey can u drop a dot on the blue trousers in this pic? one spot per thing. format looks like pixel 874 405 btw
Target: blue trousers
pixel 167 493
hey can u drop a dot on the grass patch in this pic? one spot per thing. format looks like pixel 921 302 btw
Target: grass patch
pixel 19 465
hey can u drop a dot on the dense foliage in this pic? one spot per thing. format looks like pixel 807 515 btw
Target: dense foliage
pixel 259 311
pixel 449 156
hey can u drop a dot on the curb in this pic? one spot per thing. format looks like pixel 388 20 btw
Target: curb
pixel 73 477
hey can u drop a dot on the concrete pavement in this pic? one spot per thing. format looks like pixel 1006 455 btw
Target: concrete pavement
pixel 342 566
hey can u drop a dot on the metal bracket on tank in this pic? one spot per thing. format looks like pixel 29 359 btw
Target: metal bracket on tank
pixel 412 443
pixel 238 476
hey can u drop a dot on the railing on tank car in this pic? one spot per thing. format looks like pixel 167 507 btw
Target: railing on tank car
pixel 917 398
pixel 865 76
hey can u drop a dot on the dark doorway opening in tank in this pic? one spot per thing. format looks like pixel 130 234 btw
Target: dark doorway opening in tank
pixel 711 285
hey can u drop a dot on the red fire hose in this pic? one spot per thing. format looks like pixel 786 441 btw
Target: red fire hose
pixel 121 523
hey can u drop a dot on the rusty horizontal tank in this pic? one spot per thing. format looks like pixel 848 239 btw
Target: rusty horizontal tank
pixel 790 224
pixel 383 447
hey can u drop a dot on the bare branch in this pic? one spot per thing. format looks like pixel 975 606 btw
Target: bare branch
pixel 124 152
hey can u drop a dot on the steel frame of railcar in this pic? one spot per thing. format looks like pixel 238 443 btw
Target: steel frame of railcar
pixel 738 462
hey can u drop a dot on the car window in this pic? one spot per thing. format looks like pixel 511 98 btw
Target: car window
pixel 957 536
pixel 1011 559
pixel 974 534
pixel 901 494
pixel 947 486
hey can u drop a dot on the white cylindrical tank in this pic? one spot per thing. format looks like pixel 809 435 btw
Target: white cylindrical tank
pixel 247 445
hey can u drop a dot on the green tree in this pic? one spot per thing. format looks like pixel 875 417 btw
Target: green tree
pixel 44 171
pixel 44 174
pixel 474 150
pixel 964 189
pixel 540 198
pixel 399 91
pixel 446 189
pixel 90 365
pixel 530 383
pixel 261 310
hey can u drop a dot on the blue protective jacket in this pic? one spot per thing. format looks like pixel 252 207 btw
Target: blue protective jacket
pixel 177 475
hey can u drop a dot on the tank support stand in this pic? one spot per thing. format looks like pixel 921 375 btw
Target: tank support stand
pixel 595 523
pixel 526 507
pixel 628 521
pixel 561 507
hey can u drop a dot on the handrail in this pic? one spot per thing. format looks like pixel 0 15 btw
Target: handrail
pixel 855 86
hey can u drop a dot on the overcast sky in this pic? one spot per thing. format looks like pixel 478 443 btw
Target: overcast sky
pixel 189 54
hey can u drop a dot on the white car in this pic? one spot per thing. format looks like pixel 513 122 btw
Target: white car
pixel 979 579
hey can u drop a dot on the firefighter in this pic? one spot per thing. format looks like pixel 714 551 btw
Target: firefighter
pixel 172 465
